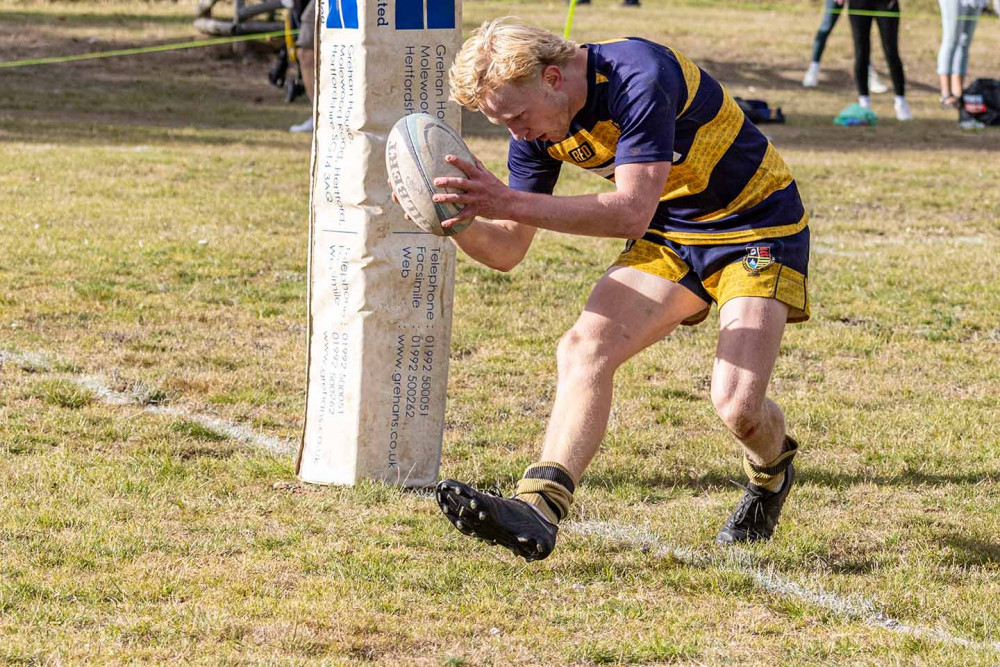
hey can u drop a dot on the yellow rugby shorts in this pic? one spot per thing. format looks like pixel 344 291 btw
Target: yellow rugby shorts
pixel 774 268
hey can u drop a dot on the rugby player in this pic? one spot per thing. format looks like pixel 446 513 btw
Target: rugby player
pixel 710 212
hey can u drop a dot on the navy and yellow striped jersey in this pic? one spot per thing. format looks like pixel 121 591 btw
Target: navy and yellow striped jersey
pixel 648 103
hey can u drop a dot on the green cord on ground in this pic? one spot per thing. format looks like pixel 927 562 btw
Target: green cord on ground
pixel 142 49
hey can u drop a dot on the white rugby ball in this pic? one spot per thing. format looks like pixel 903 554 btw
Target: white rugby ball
pixel 414 157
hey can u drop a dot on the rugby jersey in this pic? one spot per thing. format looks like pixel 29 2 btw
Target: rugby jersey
pixel 649 103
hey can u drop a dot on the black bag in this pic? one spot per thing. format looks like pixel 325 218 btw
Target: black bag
pixel 981 101
pixel 758 112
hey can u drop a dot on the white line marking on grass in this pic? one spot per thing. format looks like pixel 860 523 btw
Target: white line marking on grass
pixel 32 361
pixel 856 243
pixel 738 560
pixel 103 392
pixel 136 397
pixel 232 430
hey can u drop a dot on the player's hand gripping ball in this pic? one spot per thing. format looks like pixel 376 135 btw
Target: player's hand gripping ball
pixel 414 156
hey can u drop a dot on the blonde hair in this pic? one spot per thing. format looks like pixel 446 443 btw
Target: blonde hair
pixel 504 50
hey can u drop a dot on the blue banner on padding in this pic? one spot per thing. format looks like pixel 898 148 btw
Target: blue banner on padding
pixel 440 13
pixel 409 15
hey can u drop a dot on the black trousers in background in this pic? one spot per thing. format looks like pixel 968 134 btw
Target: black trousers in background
pixel 888 30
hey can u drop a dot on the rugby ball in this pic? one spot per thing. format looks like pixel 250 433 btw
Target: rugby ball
pixel 414 157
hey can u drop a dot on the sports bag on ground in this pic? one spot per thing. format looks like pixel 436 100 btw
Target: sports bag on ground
pixel 759 112
pixel 981 101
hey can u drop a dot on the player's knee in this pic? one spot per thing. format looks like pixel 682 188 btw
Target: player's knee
pixel 741 416
pixel 581 350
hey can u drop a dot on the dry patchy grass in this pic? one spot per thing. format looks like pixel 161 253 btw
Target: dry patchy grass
pixel 153 227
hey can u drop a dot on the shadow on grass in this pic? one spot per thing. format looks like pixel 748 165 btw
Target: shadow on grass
pixel 817 132
pixel 737 73
pixel 720 480
pixel 972 553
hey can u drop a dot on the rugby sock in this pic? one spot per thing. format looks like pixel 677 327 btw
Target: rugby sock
pixel 548 487
pixel 772 475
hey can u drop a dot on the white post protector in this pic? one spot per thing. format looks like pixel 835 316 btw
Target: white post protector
pixel 380 289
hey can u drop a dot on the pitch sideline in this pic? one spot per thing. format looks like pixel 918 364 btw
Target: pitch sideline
pixel 768 579
pixel 109 396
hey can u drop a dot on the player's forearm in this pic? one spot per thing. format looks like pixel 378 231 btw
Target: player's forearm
pixel 608 214
pixel 495 243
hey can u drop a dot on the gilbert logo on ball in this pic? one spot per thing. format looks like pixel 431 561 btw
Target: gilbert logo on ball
pixel 414 156
pixel 380 288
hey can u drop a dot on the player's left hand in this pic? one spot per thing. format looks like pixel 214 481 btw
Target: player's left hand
pixel 484 194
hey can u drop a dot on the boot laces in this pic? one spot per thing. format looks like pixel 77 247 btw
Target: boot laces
pixel 750 499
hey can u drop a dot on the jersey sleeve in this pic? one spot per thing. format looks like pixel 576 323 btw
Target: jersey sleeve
pixel 645 109
pixel 531 168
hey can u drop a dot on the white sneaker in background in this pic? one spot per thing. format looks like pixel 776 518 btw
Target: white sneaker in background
pixel 875 84
pixel 811 78
pixel 307 126
pixel 902 109
pixel 864 102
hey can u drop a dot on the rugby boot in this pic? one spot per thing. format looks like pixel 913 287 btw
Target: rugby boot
pixel 507 522
pixel 756 516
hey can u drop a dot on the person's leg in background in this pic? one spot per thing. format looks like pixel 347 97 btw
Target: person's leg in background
pixel 875 85
pixel 888 30
pixel 967 19
pixel 831 12
pixel 305 51
pixel 946 54
pixel 861 32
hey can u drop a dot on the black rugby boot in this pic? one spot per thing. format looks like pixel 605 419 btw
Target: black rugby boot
pixel 756 516
pixel 508 522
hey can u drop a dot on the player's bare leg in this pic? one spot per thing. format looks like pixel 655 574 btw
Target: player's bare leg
pixel 627 311
pixel 749 338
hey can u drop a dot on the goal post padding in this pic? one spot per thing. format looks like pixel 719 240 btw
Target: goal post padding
pixel 380 289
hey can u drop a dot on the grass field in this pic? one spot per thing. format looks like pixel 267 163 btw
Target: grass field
pixel 153 227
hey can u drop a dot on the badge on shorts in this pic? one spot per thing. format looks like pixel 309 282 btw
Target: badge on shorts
pixel 757 259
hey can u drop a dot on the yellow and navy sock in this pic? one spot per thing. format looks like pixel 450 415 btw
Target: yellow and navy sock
pixel 772 475
pixel 548 487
